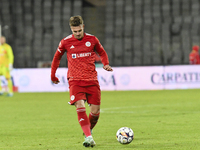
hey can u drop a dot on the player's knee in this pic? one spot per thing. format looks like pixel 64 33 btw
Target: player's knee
pixel 95 109
pixel 79 104
pixel 95 112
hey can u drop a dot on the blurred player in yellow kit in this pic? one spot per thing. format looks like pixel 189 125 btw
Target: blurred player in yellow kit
pixel 6 64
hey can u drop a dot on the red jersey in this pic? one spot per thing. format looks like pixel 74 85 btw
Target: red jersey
pixel 194 57
pixel 80 56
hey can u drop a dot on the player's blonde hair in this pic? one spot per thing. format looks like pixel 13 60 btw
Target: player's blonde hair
pixel 76 21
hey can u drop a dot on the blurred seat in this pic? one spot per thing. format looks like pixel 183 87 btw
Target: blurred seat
pixel 176 51
pixel 195 7
pixel 176 8
pixel 128 52
pixel 166 11
pixel 77 7
pixel 119 22
pixel 128 18
pixel 118 51
pixel 165 44
pixel 137 51
pixel 66 11
pixel 185 7
pixel 186 47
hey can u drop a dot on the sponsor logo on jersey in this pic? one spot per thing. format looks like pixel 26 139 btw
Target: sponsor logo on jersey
pixel 72 47
pixel 73 55
pixel 88 44
pixel 81 55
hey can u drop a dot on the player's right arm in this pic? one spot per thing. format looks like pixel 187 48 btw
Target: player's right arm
pixel 56 62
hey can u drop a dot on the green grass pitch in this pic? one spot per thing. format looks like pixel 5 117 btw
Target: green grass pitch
pixel 161 120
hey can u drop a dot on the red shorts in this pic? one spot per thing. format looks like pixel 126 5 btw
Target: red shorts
pixel 86 90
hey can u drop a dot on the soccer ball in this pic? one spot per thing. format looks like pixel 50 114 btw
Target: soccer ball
pixel 125 135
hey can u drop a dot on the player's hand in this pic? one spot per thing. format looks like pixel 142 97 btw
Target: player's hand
pixel 108 68
pixel 10 67
pixel 55 80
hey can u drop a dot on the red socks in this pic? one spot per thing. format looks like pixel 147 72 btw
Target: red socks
pixel 83 121
pixel 93 119
pixel 86 124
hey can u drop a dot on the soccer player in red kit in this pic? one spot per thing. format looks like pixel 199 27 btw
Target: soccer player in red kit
pixel 194 55
pixel 80 49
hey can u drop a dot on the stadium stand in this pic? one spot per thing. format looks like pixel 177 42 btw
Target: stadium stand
pixel 162 32
pixel 135 32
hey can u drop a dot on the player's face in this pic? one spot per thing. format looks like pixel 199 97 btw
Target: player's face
pixel 78 31
pixel 2 40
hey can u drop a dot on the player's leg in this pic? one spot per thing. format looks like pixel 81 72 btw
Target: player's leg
pixel 84 123
pixel 94 99
pixel 82 117
pixel 94 115
pixel 10 87
pixel 1 90
pixel 77 98
pixel 10 84
pixel 1 75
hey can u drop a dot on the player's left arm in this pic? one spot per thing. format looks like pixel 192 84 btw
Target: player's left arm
pixel 103 55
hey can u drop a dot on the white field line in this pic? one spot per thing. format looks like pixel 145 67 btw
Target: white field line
pixel 126 109
pixel 130 109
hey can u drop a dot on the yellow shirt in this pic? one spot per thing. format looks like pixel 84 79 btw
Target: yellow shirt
pixel 6 55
